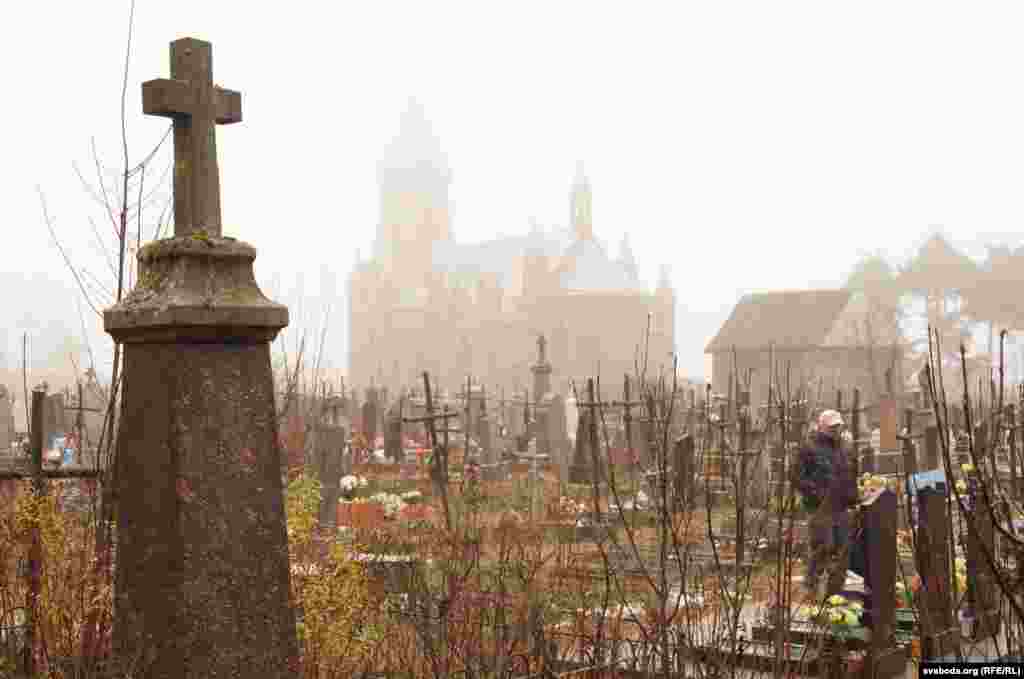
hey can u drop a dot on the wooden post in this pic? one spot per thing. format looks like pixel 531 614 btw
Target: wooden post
pixel 982 591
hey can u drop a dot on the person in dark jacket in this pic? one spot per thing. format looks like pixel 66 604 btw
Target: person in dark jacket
pixel 828 486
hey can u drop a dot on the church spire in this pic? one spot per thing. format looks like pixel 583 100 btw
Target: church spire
pixel 665 278
pixel 580 205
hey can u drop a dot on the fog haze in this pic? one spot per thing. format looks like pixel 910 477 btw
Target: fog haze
pixel 751 146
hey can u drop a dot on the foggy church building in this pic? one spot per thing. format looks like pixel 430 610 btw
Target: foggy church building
pixel 424 301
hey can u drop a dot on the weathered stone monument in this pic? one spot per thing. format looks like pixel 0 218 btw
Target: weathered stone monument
pixel 370 416
pixel 330 466
pixel 202 575
pixel 542 395
pixel 582 468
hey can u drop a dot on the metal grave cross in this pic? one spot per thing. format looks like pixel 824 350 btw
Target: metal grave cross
pixel 196 106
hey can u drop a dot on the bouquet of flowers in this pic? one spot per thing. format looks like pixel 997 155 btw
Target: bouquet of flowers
pixel 350 485
pixel 412 497
pixel 870 485
pixel 393 504
pixel 838 612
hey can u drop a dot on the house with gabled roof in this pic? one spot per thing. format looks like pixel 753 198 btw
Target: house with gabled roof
pixel 822 337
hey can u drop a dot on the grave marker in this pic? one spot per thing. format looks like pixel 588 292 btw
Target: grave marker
pixel 940 636
pixel 202 570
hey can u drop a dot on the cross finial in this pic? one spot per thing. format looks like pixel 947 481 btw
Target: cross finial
pixel 196 106
pixel 541 344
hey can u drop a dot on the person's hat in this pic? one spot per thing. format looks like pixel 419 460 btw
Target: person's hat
pixel 829 419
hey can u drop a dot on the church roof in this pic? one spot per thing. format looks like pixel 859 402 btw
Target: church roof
pixel 587 266
pixel 582 265
pixel 790 319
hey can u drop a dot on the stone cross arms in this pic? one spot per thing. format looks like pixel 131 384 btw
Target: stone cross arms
pixel 196 106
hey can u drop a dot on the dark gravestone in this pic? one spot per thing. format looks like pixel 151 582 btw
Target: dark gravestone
pixel 369 416
pixel 202 571
pixel 330 467
pixel 393 435
pixel 879 569
pixel 581 470
pixel 939 635
pixel 685 468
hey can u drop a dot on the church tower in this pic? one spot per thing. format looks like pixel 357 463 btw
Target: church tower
pixel 415 208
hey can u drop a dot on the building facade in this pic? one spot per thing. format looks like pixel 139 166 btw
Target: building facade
pixel 424 302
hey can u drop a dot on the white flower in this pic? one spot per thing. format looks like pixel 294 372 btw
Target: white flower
pixel 412 495
pixel 392 503
pixel 349 483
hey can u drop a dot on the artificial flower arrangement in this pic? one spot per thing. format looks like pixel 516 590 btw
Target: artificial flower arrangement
pixel 841 614
pixel 905 595
pixel 412 497
pixel 870 485
pixel 351 484
pixel 393 504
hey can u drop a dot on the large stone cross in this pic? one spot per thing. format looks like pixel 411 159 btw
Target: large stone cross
pixel 196 106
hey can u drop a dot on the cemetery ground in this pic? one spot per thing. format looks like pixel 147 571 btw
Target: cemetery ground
pixel 424 570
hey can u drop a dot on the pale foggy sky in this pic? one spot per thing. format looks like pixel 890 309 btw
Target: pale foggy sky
pixel 751 146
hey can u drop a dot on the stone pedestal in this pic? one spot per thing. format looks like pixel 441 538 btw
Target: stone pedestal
pixel 202 579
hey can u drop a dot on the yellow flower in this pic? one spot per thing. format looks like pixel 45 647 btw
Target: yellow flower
pixel 967 468
pixel 836 600
pixel 961 486
pixel 836 617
